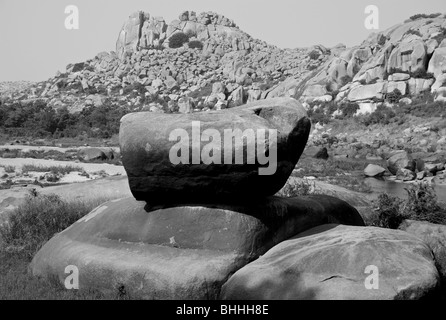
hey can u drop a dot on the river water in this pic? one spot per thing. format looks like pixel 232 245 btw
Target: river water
pixel 397 188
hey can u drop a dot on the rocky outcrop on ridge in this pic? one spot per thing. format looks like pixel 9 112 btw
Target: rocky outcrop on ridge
pixel 144 73
pixel 409 57
pixel 218 33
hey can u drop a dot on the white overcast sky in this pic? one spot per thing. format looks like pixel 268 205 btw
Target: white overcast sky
pixel 34 43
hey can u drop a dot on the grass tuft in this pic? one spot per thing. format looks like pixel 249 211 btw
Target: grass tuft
pixel 27 229
pixel 421 205
pixel 296 188
pixel 9 169
pixel 40 217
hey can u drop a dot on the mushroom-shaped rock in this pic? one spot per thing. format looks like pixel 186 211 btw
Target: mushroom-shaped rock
pixel 241 153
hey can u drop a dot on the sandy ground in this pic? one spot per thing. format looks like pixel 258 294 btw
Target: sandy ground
pixel 46 148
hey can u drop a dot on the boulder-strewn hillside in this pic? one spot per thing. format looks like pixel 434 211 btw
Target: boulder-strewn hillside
pixel 205 62
pixel 228 67
pixel 410 57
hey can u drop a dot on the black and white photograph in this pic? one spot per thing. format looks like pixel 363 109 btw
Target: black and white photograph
pixel 241 152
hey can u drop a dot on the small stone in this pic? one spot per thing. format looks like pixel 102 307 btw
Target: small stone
pixel 322 154
pixel 405 175
pixel 373 170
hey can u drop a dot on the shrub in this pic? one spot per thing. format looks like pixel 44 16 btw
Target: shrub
pixel 311 67
pixel 382 41
pixel 190 34
pixel 177 40
pixel 397 70
pixel 334 94
pixel 195 44
pixel 373 81
pixel 40 217
pixel 9 169
pixel 424 16
pixel 61 84
pixel 349 109
pixel 441 36
pixel 420 205
pixel 421 73
pixel 387 213
pixel 415 32
pixel 423 106
pixel 382 115
pixel 29 227
pixel 394 96
pixel 318 115
pixel 346 79
pixel 296 188
pixel 314 55
pixel 159 47
pixel 138 87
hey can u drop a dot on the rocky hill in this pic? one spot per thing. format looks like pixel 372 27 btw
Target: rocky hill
pixel 228 67
pixel 220 66
pixel 410 57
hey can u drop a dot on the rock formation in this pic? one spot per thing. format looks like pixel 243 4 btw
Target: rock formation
pixel 329 263
pixel 183 252
pixel 186 248
pixel 408 57
pixel 142 31
pixel 202 227
pixel 164 77
pixel 146 148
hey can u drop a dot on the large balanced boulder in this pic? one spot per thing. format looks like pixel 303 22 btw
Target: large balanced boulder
pixel 185 158
pixel 333 262
pixel 178 252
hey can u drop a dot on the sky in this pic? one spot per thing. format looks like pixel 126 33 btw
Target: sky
pixel 34 43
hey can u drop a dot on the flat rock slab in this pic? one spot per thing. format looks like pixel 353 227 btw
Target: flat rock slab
pixel 146 148
pixel 179 252
pixel 329 263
